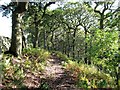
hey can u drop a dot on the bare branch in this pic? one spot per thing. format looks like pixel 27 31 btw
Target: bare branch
pixel 95 9
pixel 105 7
pixel 45 7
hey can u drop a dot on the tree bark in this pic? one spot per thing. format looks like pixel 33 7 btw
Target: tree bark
pixel 35 42
pixel 68 44
pixel 101 21
pixel 73 43
pixel 23 41
pixel 51 40
pixel 16 40
pixel 44 36
pixel 101 13
pixel 85 59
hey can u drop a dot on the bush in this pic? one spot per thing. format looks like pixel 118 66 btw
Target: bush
pixel 87 76
pixel 40 54
pixel 14 70
pixel 61 56
pixel 13 73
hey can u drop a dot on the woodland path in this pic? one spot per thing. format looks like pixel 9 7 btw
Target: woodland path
pixel 56 76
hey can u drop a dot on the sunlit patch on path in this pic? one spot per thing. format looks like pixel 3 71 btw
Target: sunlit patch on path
pixel 56 76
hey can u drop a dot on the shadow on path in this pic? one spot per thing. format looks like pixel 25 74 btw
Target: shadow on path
pixel 56 76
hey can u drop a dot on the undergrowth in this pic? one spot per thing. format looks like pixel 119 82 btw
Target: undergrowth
pixel 33 60
pixel 88 76
pixel 14 70
pixel 61 56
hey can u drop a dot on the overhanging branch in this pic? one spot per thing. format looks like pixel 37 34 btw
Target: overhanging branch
pixel 95 9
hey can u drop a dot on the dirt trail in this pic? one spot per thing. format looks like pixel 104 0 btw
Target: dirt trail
pixel 56 76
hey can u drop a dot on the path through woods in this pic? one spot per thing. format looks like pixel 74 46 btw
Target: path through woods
pixel 56 76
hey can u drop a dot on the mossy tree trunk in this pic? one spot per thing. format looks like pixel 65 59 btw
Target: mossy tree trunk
pixel 16 39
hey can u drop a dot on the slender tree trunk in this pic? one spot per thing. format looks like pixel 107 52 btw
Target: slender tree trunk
pixel 117 76
pixel 101 21
pixel 73 43
pixel 35 44
pixel 65 52
pixel 119 34
pixel 23 41
pixel 68 44
pixel 78 53
pixel 39 40
pixel 86 47
pixel 51 40
pixel 85 59
pixel 44 36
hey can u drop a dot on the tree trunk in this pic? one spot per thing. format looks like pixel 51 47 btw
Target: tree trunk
pixel 51 40
pixel 68 44
pixel 44 36
pixel 101 21
pixel 119 34
pixel 16 40
pixel 117 76
pixel 35 42
pixel 73 43
pixel 39 40
pixel 23 41
pixel 86 47
pixel 85 59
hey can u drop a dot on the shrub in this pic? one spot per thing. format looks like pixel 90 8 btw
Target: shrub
pixel 40 54
pixel 87 76
pixel 61 56
pixel 14 70
pixel 13 73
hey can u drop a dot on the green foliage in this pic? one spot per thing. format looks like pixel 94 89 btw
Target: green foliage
pixel 13 73
pixel 35 58
pixel 14 70
pixel 41 54
pixel 88 76
pixel 44 86
pixel 61 56
pixel 104 50
pixel 103 43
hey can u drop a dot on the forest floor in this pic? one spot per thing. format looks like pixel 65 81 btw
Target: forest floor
pixel 53 77
pixel 56 76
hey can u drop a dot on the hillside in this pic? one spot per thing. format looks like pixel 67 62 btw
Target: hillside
pixel 38 68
